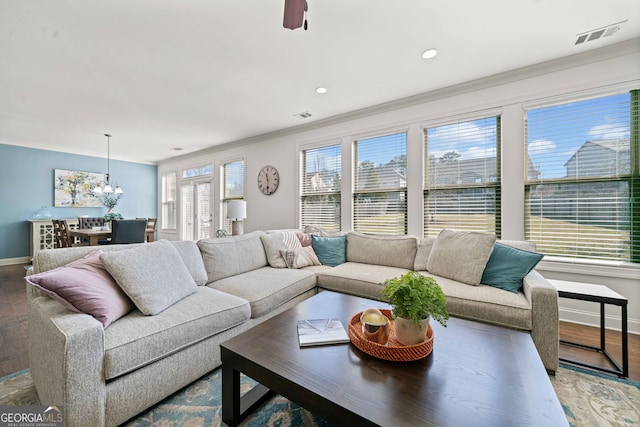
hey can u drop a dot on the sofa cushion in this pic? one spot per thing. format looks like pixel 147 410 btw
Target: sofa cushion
pixel 48 259
pixel 330 250
pixel 354 278
pixel 300 257
pixel 153 275
pixel 507 266
pixel 190 254
pixel 460 255
pixel 524 245
pixel 422 254
pixel 392 251
pixel 319 231
pixel 267 288
pixel 274 243
pixel 137 340
pixel 485 303
pixel 228 256
pixel 85 286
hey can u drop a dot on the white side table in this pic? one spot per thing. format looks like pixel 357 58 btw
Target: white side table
pixel 602 295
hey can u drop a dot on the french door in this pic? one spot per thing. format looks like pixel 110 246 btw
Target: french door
pixel 196 209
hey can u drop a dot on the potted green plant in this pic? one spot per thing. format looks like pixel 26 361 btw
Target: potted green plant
pixel 110 202
pixel 414 299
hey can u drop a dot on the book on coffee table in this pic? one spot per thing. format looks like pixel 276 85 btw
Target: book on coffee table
pixel 321 332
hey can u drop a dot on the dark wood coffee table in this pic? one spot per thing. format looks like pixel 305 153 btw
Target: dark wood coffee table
pixel 477 374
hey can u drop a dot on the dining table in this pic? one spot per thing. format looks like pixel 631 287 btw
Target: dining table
pixel 93 235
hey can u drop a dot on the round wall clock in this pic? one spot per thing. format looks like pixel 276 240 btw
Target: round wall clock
pixel 268 180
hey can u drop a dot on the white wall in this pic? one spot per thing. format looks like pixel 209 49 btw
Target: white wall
pixel 598 72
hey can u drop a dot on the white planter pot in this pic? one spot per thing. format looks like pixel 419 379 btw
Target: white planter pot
pixel 408 333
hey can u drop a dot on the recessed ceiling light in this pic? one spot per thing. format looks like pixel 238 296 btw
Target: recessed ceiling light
pixel 321 89
pixel 429 53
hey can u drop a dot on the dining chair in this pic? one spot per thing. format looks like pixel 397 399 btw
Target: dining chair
pixel 90 222
pixel 87 223
pixel 127 231
pixel 59 239
pixel 63 238
pixel 151 225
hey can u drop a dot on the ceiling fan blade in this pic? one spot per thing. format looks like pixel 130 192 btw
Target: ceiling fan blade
pixel 293 13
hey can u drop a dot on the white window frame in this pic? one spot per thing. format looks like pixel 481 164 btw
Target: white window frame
pixel 304 193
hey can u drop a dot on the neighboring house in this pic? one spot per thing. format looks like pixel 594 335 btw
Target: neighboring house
pixel 608 157
pixel 462 171
pixel 380 177
pixel 317 183
pixel 321 181
pixel 469 171
pixel 588 201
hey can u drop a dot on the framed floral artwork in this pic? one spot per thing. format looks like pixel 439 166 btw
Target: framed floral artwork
pixel 72 189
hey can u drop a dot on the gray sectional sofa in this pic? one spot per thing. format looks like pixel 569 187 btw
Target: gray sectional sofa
pixel 169 338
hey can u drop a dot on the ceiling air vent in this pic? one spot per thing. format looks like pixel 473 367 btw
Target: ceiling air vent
pixel 303 115
pixel 599 33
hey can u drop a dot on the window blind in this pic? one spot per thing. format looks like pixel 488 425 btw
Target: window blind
pixel 380 184
pixel 321 181
pixel 233 187
pixel 580 184
pixel 462 177
pixel 169 190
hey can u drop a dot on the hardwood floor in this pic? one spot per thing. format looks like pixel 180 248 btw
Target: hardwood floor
pixel 14 349
pixel 13 320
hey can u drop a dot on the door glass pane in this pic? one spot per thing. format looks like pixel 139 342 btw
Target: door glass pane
pixel 204 210
pixel 186 197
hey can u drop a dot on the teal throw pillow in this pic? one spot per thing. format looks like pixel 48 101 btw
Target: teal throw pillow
pixel 507 267
pixel 330 250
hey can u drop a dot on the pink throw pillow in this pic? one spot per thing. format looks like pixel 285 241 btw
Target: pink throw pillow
pixel 85 286
pixel 305 238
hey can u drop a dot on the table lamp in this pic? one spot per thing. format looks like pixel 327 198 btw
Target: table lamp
pixel 236 211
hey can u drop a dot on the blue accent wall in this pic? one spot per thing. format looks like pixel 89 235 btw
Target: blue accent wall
pixel 26 184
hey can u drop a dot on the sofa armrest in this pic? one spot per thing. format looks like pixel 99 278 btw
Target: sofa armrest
pixel 66 352
pixel 544 317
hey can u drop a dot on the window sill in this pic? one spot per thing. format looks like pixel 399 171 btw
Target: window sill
pixel 622 270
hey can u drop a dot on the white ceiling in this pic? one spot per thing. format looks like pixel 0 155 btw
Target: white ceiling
pixel 161 74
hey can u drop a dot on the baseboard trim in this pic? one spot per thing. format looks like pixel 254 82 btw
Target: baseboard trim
pixel 13 261
pixel 592 318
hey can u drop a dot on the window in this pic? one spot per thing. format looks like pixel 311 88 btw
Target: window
pixel 320 195
pixel 380 184
pixel 581 181
pixel 233 181
pixel 196 172
pixel 169 201
pixel 462 177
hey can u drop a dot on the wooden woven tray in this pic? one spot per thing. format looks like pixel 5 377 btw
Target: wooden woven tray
pixel 393 351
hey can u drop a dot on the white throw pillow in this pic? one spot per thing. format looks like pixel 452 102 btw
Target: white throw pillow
pixel 153 275
pixel 275 243
pixel 460 255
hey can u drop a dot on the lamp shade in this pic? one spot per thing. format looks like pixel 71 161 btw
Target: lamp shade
pixel 236 209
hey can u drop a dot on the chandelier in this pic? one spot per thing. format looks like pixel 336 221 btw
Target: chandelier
pixel 105 187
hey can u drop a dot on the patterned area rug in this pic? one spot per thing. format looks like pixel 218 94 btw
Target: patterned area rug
pixel 588 399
